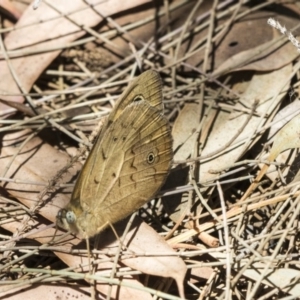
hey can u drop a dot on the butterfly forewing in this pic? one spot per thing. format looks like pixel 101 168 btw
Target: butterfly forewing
pixel 148 87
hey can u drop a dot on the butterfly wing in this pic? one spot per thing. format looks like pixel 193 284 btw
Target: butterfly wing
pixel 147 87
pixel 127 166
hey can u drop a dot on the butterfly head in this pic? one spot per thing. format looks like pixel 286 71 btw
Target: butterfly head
pixel 66 218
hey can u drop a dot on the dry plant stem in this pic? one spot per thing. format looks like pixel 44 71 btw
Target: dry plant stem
pixel 233 108
pixel 178 223
pixel 19 106
pixel 91 282
pixel 136 55
pixel 194 287
pixel 194 169
pixel 255 183
pixel 204 131
pixel 22 53
pixel 70 89
pixel 250 163
pixel 231 214
pixel 181 36
pixel 208 239
pixel 169 30
pixel 264 47
pixel 78 276
pixel 92 91
pixel 281 177
pixel 211 79
pixel 61 82
pixel 208 285
pixel 117 256
pixel 209 43
pixel 110 81
pixel 240 226
pixel 21 258
pixel 250 248
pixel 263 242
pixel 16 286
pixel 191 192
pixel 228 24
pixel 282 215
pixel 229 2
pixel 104 36
pixel 259 258
pixel 203 202
pixel 271 293
pixel 228 292
pixel 23 207
pixel 51 121
pixel 41 116
pixel 20 237
pixel 79 89
pixel 85 71
pixel 293 282
pixel 296 207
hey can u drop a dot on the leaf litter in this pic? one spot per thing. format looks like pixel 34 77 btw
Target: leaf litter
pixel 228 212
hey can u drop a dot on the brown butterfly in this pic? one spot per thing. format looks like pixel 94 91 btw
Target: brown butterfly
pixel 128 163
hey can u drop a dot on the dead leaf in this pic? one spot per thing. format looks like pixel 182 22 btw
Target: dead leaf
pixel 184 129
pixel 9 7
